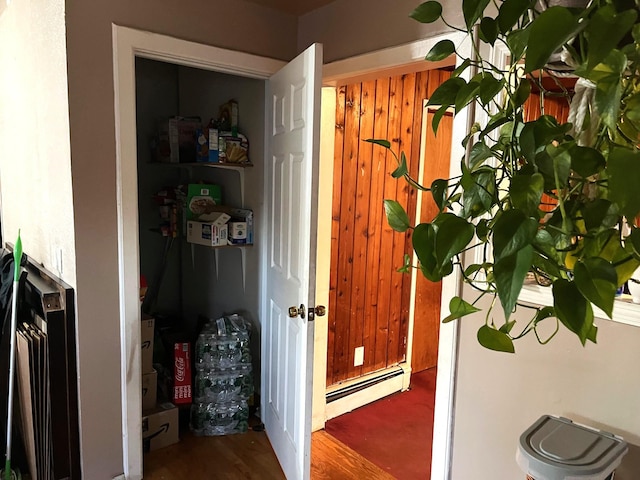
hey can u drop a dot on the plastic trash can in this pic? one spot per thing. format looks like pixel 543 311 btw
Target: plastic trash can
pixel 556 448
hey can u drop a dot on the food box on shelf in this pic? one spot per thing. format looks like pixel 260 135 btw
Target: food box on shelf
pixel 202 200
pixel 206 233
pixel 177 139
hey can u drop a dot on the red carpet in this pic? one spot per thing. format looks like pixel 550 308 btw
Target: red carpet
pixel 395 432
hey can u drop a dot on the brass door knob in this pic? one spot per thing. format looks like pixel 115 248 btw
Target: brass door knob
pixel 295 311
pixel 320 310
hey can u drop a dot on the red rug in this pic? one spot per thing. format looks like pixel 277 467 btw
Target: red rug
pixel 395 432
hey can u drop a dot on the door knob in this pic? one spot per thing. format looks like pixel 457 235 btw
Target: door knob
pixel 319 311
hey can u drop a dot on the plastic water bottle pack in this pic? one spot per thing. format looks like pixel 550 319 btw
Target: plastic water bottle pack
pixel 224 378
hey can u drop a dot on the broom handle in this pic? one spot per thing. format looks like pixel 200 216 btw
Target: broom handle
pixel 12 361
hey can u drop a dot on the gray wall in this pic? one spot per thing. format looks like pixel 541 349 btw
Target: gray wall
pixel 233 24
pixel 500 395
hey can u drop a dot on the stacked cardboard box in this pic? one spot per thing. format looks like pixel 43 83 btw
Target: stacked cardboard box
pixel 159 422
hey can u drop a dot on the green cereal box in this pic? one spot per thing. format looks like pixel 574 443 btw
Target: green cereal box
pixel 202 200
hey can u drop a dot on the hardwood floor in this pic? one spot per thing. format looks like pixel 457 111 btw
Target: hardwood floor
pixel 249 456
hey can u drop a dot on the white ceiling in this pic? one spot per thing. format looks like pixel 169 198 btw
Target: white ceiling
pixel 296 7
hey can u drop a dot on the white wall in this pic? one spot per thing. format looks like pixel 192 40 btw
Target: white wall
pixel 234 24
pixel 500 395
pixel 35 182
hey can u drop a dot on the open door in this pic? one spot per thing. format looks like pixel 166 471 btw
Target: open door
pixel 293 126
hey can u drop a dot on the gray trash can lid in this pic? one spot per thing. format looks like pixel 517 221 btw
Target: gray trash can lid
pixel 555 448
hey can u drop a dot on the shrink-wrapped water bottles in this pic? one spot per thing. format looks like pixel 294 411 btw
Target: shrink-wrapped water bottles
pixel 224 379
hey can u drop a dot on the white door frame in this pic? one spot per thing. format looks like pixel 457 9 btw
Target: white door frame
pixel 128 44
pixel 404 58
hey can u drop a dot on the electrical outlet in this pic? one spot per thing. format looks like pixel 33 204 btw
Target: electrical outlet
pixel 358 356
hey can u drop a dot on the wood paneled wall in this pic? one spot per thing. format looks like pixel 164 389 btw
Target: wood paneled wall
pixel 369 299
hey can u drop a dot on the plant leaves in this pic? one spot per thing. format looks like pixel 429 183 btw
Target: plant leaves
pixel 479 153
pixel 438 116
pixel 446 93
pixel 526 192
pixel 509 13
pixel 427 12
pixel 623 169
pixel 466 94
pixel 522 93
pixel 439 189
pixel 402 168
pixel 509 273
pixel 396 216
pixel 512 231
pixel 490 86
pixel 517 41
pixel 461 68
pixel 586 161
pixel 473 10
pixel 459 308
pixel 609 88
pixel 440 51
pixel 549 31
pixel 489 30
pixel 597 281
pixel 600 213
pixel 453 234
pixel 605 30
pixel 572 309
pixel 423 241
pixel 382 143
pixel 479 192
pixel 495 340
pixel 482 229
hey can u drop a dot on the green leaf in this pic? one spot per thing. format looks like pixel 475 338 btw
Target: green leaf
pixel 423 241
pixel 446 93
pixel 605 30
pixel 473 10
pixel 607 77
pixel 438 116
pixel 623 169
pixel 482 230
pixel 382 143
pixel 406 265
pixel 396 216
pixel 479 192
pixel 507 327
pixel 544 313
pixel 522 93
pixel 536 135
pixel 526 192
pixel 572 309
pixel 459 308
pixel 461 68
pixel 489 88
pixel 509 272
pixel 453 234
pixel 488 30
pixel 495 340
pixel 510 12
pixel 479 153
pixel 586 161
pixel 466 94
pixel 549 31
pixel 517 42
pixel 512 231
pixel 402 168
pixel 439 189
pixel 600 213
pixel 427 12
pixel 440 51
pixel 634 241
pixel 597 281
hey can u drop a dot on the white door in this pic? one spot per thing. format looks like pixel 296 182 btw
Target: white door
pixel 293 105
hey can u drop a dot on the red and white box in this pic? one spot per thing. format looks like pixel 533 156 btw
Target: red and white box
pixel 182 373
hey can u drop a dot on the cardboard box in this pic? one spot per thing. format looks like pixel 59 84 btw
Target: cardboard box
pixel 146 334
pixel 149 390
pixel 206 233
pixel 202 200
pixel 177 139
pixel 182 373
pixel 214 155
pixel 160 427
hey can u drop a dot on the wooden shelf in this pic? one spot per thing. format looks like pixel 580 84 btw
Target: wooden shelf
pixel 226 166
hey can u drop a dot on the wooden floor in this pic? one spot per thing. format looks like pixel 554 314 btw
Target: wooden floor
pixel 249 456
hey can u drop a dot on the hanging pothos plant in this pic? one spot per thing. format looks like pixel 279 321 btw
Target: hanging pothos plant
pixel 586 172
